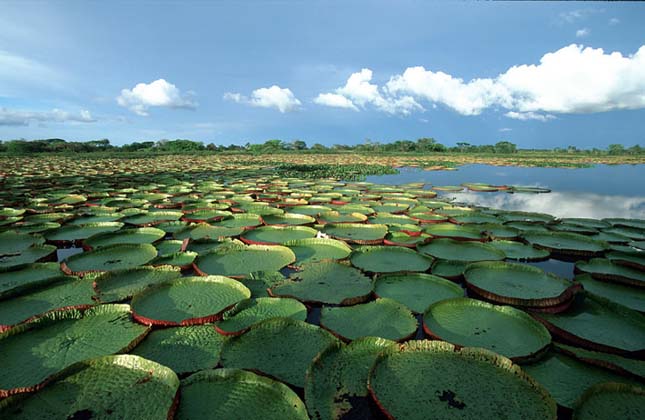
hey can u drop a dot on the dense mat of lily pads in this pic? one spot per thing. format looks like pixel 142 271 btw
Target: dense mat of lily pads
pixel 233 291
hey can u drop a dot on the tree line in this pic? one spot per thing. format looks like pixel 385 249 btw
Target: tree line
pixel 422 145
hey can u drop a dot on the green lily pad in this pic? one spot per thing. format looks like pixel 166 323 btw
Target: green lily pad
pixel 259 281
pixel 325 282
pixel 356 232
pixel 385 318
pixel 600 325
pixel 14 280
pixel 318 249
pixel 604 269
pixel 631 297
pixel 416 291
pixel 567 378
pixel 565 243
pixel 280 347
pixel 497 388
pixel 271 235
pixel 109 258
pixel 207 394
pixel 79 232
pixel 449 230
pixel 14 243
pixel 187 301
pixel 55 293
pixel 611 401
pixel 336 384
pixel 239 261
pixel 145 235
pixel 131 387
pixel 389 259
pixel 517 284
pixel 59 339
pixel 117 285
pixel 251 311
pixel 519 251
pixel 473 323
pixel 27 256
pixel 466 251
pixel 183 349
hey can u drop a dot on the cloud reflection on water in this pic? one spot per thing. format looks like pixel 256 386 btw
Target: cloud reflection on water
pixel 559 204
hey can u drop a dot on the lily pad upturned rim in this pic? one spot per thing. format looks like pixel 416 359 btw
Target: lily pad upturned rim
pixel 507 310
pixel 587 267
pixel 150 367
pixel 65 314
pixel 552 301
pixel 602 388
pixel 479 354
pixel 145 320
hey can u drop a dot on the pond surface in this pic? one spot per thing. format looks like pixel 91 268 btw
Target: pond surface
pixel 596 192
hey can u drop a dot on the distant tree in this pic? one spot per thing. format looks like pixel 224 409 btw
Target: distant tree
pixel 298 145
pixel 615 149
pixel 505 147
pixel 318 147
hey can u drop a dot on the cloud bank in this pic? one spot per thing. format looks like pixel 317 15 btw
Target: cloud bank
pixel 572 80
pixel 159 93
pixel 9 117
pixel 275 97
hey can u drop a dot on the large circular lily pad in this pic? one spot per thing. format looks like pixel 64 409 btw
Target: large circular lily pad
pixel 518 284
pixel 318 249
pixel 365 234
pixel 121 386
pixel 416 291
pixel 604 269
pixel 146 235
pixel 325 282
pixel 183 349
pixel 237 394
pixel 270 235
pixel 109 258
pixel 388 259
pixel 434 377
pixel 519 251
pixel 449 249
pixel 473 323
pixel 565 243
pixel 280 347
pixel 336 385
pixel 385 318
pixel 252 311
pixel 34 351
pixel 187 301
pixel 239 261
pixel 611 401
pixel 114 286
pixel 631 297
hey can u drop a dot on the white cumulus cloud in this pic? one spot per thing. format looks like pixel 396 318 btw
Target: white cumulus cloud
pixel 12 117
pixel 359 92
pixel 582 32
pixel 573 79
pixel 159 93
pixel 275 97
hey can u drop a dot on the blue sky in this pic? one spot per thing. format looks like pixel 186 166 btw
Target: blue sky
pixel 538 74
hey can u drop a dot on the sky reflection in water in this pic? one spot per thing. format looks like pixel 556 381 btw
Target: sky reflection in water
pixel 597 192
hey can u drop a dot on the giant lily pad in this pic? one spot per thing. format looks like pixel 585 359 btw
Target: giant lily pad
pixel 385 318
pixel 109 258
pixel 251 311
pixel 388 259
pixel 113 286
pixel 34 351
pixel 336 384
pixel 318 249
pixel 519 251
pixel 14 242
pixel 280 347
pixel 473 323
pixel 611 401
pixel 631 297
pixel 238 261
pixel 448 249
pixel 77 232
pixel 325 282
pixel 27 256
pixel 449 230
pixel 57 292
pixel 207 394
pixel 567 378
pixel 183 349
pixel 23 277
pixel 518 284
pixel 565 243
pixel 430 378
pixel 416 291
pixel 130 387
pixel 601 325
pixel 146 235
pixel 187 301
pixel 270 235
pixel 366 234
pixel 604 269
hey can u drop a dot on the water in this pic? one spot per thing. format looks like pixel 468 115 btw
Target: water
pixel 597 192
